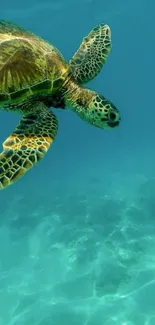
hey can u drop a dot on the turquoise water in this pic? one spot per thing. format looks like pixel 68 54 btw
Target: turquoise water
pixel 77 233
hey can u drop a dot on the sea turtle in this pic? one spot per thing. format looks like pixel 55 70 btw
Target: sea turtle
pixel 34 76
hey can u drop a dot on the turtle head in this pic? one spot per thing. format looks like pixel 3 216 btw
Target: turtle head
pixel 91 107
pixel 97 110
pixel 102 113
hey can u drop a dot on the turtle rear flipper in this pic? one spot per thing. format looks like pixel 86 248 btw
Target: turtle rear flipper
pixel 28 144
pixel 89 59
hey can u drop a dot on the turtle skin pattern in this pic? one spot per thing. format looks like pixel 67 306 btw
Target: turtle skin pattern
pixel 28 144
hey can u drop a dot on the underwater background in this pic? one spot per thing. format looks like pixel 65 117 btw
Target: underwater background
pixel 77 233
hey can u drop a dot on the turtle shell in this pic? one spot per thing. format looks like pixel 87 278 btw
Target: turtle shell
pixel 29 66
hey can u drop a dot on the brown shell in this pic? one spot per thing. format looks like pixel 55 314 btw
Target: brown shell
pixel 28 65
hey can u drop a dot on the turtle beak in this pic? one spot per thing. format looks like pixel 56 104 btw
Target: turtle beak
pixel 113 124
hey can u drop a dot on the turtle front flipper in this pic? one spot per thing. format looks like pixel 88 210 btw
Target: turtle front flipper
pixel 28 144
pixel 88 61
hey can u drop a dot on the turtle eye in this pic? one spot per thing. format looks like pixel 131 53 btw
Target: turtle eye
pixel 112 116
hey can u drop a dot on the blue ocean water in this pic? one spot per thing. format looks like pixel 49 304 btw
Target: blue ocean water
pixel 77 233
